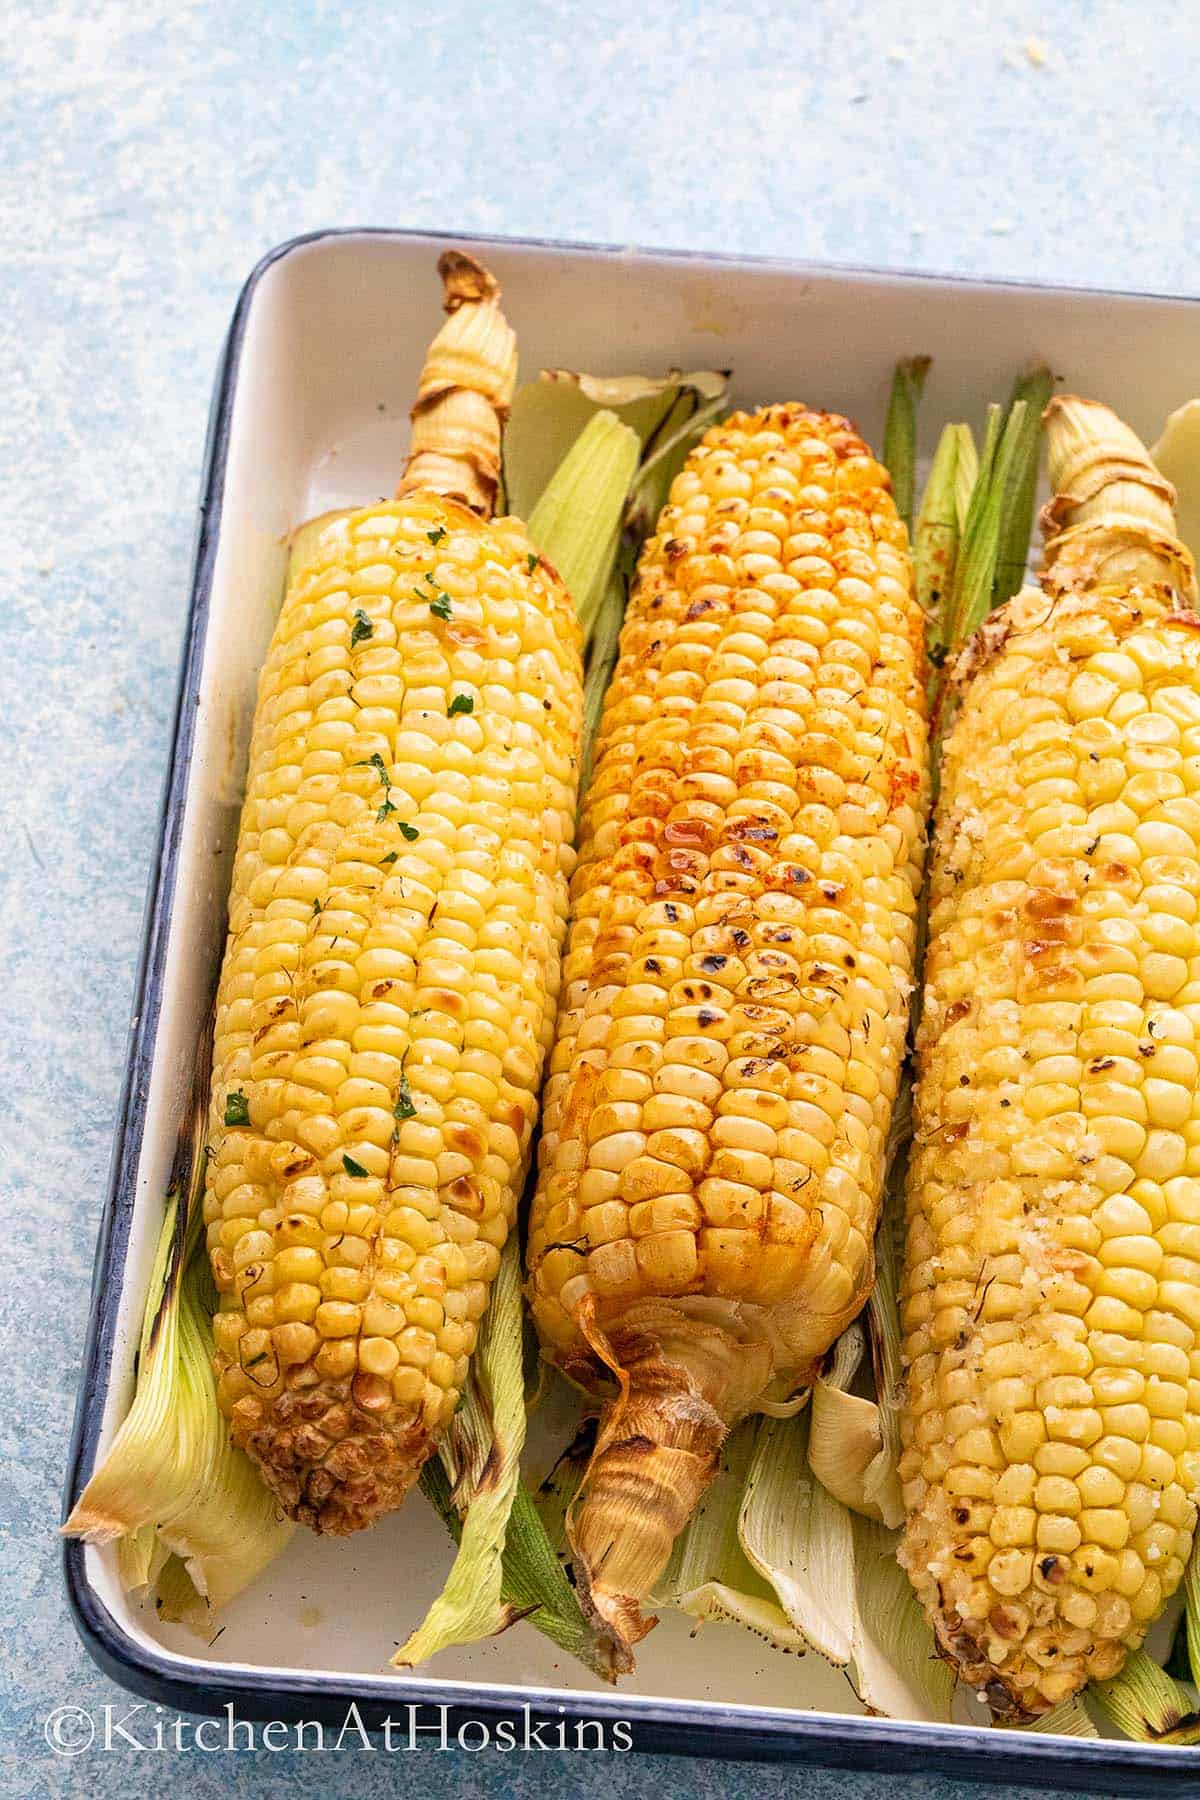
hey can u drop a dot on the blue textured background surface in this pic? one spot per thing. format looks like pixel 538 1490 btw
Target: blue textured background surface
pixel 150 154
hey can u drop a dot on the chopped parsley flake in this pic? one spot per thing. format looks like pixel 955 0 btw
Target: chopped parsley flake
pixel 461 703
pixel 440 608
pixel 316 909
pixel 532 560
pixel 404 1108
pixel 407 831
pixel 377 763
pixel 237 1108
pixel 436 536
pixel 353 1168
pixel 363 627
pixel 389 858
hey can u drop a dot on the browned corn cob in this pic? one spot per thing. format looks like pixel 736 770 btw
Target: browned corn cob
pixel 1052 1293
pixel 388 990
pixel 738 972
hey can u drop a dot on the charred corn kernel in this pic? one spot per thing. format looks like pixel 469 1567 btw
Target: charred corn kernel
pixel 388 989
pixel 1052 1226
pixel 738 970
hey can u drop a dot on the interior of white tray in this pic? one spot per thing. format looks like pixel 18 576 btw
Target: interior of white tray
pixel 332 349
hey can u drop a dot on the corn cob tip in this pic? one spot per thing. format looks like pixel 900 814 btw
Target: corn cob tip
pixel 1112 517
pixel 332 1462
pixel 465 391
pixel 465 280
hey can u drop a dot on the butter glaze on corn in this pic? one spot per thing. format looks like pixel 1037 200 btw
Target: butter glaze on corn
pixel 737 977
pixel 1051 1303
pixel 388 989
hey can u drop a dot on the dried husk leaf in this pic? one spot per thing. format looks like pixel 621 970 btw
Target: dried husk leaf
pixel 466 387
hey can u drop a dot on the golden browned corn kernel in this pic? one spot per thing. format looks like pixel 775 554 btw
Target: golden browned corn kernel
pixel 1051 1302
pixel 737 979
pixel 389 983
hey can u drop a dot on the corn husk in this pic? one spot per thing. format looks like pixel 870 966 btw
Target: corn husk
pixel 548 416
pixel 966 472
pixel 505 1568
pixel 771 1549
pixel 936 534
pixel 900 432
pixel 1147 1705
pixel 171 1483
pixel 1069 1719
pixel 1177 456
pixel 577 520
pixel 1030 394
pixel 709 1576
pixel 847 1451
pixel 896 1671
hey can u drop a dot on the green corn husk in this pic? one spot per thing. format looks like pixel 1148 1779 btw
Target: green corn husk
pixel 602 660
pixel 1184 1659
pixel 177 1600
pixel 1191 1612
pixel 1070 1719
pixel 1007 466
pixel 232 1527
pixel 141 1555
pixel 1147 1705
pixel 548 415
pixel 172 1487
pixel 505 1568
pixel 480 1456
pixel 1031 392
pixel 935 537
pixel 966 472
pixel 900 433
pixel 883 1306
pixel 577 521
pixel 975 573
pixel 937 542
pixel 139 1482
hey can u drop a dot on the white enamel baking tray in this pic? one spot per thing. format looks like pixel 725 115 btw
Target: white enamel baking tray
pixel 309 413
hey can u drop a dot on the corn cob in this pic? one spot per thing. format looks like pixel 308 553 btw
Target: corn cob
pixel 738 972
pixel 389 982
pixel 1051 1419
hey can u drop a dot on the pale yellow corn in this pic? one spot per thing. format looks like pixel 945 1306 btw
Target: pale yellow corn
pixel 1052 1291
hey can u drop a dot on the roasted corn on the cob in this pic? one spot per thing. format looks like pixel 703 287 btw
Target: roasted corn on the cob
pixel 1051 1416
pixel 388 989
pixel 737 979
